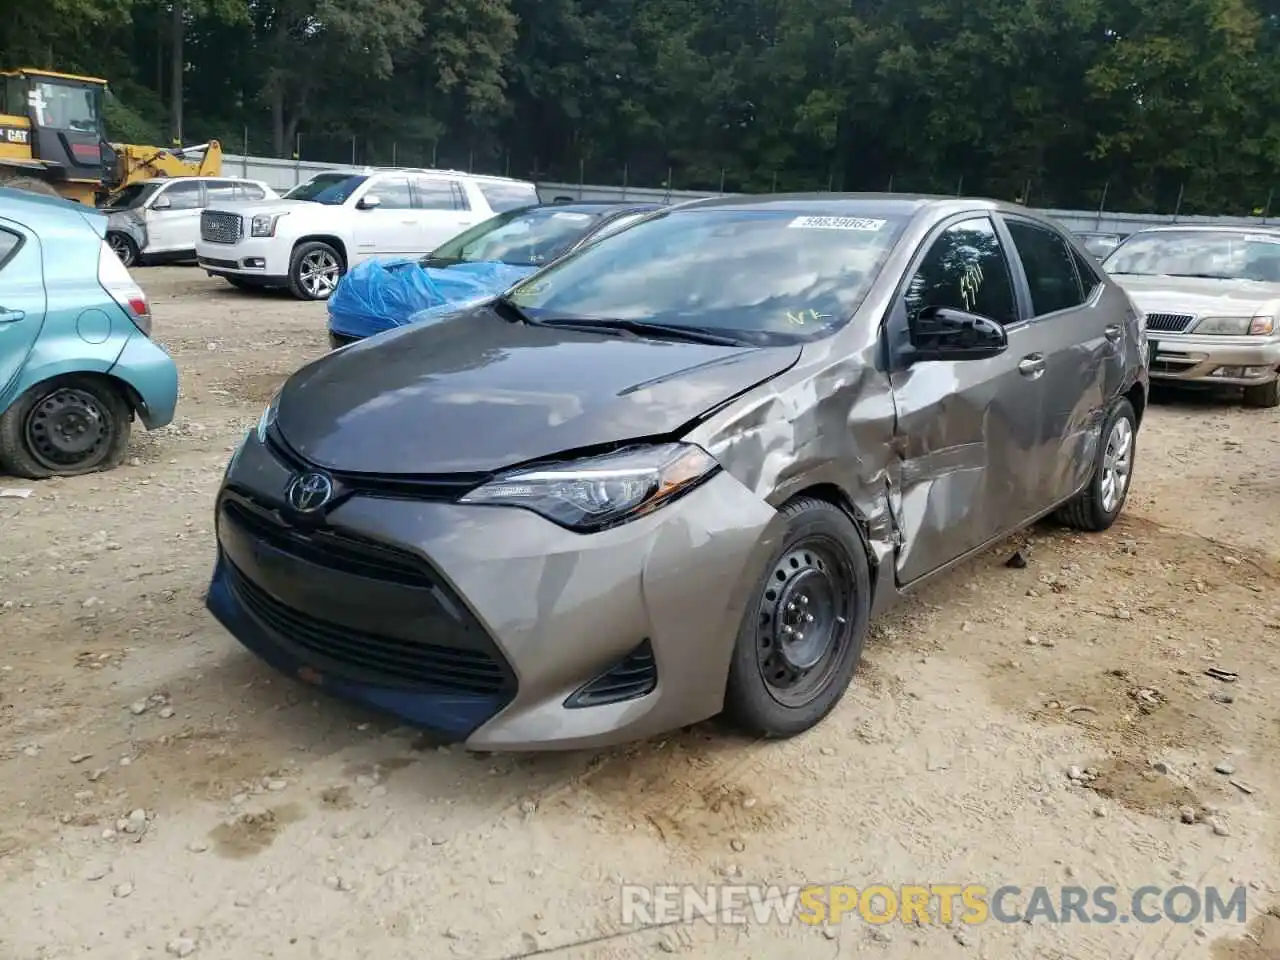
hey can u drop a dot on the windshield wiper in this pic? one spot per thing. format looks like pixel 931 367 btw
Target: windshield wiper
pixel 1200 276
pixel 643 328
pixel 514 313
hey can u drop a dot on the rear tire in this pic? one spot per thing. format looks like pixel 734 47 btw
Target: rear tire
pixel 782 682
pixel 30 185
pixel 1096 507
pixel 65 427
pixel 314 271
pixel 1263 395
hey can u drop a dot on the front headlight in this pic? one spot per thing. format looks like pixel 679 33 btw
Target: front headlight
pixel 598 492
pixel 1224 326
pixel 264 224
pixel 268 418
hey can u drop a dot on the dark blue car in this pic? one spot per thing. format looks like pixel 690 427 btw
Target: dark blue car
pixel 479 263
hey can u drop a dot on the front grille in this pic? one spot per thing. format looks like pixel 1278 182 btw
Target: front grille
pixel 634 676
pixel 384 660
pixel 218 227
pixel 329 548
pixel 1169 322
pixel 434 487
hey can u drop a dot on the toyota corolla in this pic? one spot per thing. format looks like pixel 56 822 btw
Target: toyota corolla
pixel 677 473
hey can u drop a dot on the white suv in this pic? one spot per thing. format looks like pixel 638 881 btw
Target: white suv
pixel 160 218
pixel 308 239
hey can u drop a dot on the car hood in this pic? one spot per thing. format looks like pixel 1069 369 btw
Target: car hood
pixel 1219 298
pixel 251 208
pixel 476 393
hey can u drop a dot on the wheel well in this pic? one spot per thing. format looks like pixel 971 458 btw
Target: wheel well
pixel 1138 398
pixel 830 493
pixel 331 241
pixel 121 387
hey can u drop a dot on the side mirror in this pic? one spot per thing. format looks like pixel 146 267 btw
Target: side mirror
pixel 942 333
pixel 162 203
pixel 369 202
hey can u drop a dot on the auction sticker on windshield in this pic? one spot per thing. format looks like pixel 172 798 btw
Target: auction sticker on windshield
pixel 837 223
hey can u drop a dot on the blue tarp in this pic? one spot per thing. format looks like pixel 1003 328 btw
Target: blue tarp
pixel 377 295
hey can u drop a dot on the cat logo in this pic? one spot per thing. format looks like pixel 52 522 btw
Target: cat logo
pixel 15 135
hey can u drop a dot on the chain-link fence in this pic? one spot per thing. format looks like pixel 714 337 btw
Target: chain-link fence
pixel 1101 190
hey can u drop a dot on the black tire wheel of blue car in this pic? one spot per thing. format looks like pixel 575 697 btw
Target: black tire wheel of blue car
pixel 804 627
pixel 315 270
pixel 65 427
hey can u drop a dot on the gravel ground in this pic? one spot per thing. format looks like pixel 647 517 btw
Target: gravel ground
pixel 161 793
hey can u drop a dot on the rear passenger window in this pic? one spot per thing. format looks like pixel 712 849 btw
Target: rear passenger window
pixel 965 269
pixel 433 194
pixel 1050 267
pixel 502 197
pixel 1088 272
pixel 9 243
pixel 219 192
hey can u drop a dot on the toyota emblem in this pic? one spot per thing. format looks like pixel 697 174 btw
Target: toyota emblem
pixel 309 492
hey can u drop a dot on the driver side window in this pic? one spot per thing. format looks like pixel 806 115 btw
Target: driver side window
pixel 965 269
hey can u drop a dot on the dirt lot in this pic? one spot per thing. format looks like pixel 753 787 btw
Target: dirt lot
pixel 271 823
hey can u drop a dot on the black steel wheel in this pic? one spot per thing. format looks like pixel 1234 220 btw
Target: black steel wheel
pixel 802 636
pixel 65 428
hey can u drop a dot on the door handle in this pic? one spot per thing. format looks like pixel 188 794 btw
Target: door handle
pixel 11 316
pixel 1031 365
pixel 409 223
pixel 1113 332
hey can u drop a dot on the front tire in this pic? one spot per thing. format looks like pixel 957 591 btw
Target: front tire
pixel 1264 395
pixel 314 271
pixel 65 427
pixel 802 633
pixel 1096 507
pixel 123 247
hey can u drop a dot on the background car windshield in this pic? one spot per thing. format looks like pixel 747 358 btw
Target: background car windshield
pixel 134 195
pixel 1199 253
pixel 330 188
pixel 768 276
pixel 521 237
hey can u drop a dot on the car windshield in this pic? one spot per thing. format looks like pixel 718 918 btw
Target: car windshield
pixel 61 106
pixel 134 195
pixel 521 237
pixel 1216 254
pixel 328 188
pixel 762 276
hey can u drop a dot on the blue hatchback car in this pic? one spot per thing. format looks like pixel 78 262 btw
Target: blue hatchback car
pixel 77 362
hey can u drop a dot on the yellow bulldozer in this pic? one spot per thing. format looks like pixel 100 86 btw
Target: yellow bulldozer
pixel 53 141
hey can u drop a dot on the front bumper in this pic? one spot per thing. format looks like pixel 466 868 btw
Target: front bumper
pixel 265 259
pixel 1188 357
pixel 540 611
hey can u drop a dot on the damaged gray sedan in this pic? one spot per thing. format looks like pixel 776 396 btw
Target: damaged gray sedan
pixel 678 472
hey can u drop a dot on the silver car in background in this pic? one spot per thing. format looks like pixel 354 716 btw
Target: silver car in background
pixel 677 471
pixel 1212 301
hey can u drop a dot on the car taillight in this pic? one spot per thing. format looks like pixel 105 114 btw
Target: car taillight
pixel 115 279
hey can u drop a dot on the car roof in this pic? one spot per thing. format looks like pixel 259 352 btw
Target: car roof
pixel 1210 228
pixel 853 204
pixel 41 207
pixel 593 206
